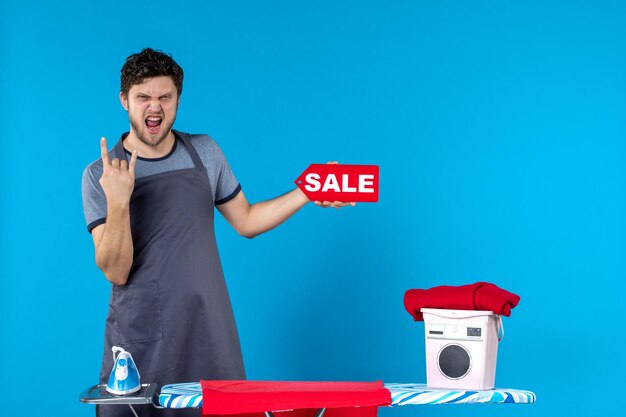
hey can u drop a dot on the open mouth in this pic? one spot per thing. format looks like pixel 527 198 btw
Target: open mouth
pixel 153 123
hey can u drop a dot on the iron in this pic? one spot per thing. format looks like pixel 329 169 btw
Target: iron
pixel 124 378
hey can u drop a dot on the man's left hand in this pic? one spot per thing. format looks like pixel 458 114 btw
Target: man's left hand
pixel 333 204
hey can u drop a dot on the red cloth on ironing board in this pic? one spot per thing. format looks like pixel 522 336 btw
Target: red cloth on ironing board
pixel 479 296
pixel 301 399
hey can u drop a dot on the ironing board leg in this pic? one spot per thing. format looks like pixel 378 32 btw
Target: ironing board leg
pixel 133 410
pixel 320 412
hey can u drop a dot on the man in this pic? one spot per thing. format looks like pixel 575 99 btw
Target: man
pixel 149 207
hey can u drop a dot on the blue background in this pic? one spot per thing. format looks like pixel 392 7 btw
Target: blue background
pixel 499 128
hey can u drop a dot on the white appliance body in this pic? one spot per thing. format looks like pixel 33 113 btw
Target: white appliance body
pixel 461 348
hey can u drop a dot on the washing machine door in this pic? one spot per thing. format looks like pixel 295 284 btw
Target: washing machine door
pixel 454 361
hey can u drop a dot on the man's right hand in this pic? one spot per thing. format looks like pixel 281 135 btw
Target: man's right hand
pixel 118 177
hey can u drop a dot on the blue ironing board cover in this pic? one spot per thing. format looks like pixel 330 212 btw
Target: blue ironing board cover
pixel 419 394
pixel 189 395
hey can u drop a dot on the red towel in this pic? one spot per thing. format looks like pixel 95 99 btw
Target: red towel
pixel 341 399
pixel 478 296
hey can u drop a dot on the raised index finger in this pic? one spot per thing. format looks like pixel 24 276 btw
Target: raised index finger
pixel 105 153
pixel 133 161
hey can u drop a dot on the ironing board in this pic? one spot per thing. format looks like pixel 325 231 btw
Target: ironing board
pixel 189 395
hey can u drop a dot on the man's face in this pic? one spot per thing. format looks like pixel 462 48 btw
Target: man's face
pixel 151 108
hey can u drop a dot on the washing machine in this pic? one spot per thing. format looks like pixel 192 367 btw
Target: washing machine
pixel 461 348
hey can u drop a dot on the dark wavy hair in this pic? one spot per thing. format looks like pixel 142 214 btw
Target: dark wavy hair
pixel 147 64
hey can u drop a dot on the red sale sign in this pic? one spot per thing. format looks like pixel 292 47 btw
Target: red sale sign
pixel 340 182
